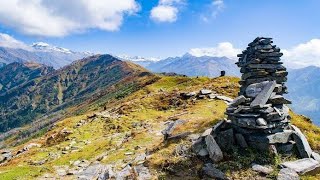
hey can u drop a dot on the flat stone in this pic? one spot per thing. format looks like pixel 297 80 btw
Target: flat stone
pixel 212 96
pixel 213 148
pixel 207 132
pixel 266 66
pixel 287 174
pixel 302 166
pixel 262 169
pixel 315 156
pixel 263 96
pixel 246 122
pixel 205 92
pixel 302 143
pixel 278 99
pixel 254 89
pixel 241 141
pixel 239 100
pixel 212 172
pixel 280 137
pixel 224 98
pixel 261 122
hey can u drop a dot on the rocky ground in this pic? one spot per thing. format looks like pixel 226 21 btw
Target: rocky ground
pixel 147 135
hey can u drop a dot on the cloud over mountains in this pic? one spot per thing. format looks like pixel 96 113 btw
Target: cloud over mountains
pixel 60 17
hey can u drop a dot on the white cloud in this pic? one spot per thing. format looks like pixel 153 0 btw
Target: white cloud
pixel 10 42
pixel 223 49
pixel 166 10
pixel 303 55
pixel 164 13
pixel 60 17
pixel 214 9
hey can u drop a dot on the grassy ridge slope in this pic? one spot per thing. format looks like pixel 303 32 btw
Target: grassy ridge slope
pixel 134 125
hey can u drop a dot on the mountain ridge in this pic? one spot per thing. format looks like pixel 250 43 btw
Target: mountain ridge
pixel 74 84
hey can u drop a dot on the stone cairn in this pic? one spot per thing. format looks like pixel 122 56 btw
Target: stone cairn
pixel 258 117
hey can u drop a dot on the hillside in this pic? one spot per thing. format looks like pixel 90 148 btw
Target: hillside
pixel 99 77
pixel 124 137
pixel 16 74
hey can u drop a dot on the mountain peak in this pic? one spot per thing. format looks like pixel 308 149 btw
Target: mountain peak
pixel 47 47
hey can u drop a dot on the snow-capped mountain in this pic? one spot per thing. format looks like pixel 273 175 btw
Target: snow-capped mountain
pixel 142 61
pixel 43 53
pixel 42 46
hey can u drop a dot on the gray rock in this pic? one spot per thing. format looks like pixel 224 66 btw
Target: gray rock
pixel 315 156
pixel 262 169
pixel 207 132
pixel 198 145
pixel 287 174
pixel 261 122
pixel 203 152
pixel 212 96
pixel 278 99
pixel 286 148
pixel 225 139
pixel 142 172
pixel 302 166
pixel 280 137
pixel 246 122
pixel 254 89
pixel 205 92
pixel 241 141
pixel 171 125
pixel 94 171
pixel 212 172
pixel 239 100
pixel 302 143
pixel 264 95
pixel 224 98
pixel 266 66
pixel 213 148
pixel 125 173
pixel 140 158
pixel 190 94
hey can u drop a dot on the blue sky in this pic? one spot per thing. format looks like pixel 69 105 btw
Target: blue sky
pixel 194 24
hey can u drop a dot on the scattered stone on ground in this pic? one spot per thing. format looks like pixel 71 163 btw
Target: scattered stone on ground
pixel 262 169
pixel 302 166
pixel 212 172
pixel 287 174
pixel 171 125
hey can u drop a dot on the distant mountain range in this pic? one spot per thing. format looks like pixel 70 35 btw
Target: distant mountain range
pixel 30 90
pixel 304 90
pixel 42 53
pixel 191 65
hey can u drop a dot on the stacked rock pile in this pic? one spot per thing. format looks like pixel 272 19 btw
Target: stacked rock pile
pixel 259 117
pixel 260 113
